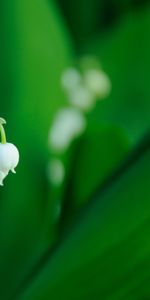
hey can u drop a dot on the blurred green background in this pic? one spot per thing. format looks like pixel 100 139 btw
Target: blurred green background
pixel 98 247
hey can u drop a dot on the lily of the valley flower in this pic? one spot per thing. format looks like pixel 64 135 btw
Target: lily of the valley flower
pixel 97 82
pixel 9 155
pixel 82 98
pixel 71 78
pixel 83 88
pixel 56 171
pixel 68 124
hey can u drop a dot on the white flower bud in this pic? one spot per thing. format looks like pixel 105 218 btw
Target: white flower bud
pixel 68 124
pixel 9 158
pixel 71 78
pixel 56 171
pixel 98 82
pixel 82 98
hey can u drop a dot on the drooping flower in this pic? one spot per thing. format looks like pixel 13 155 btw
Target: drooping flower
pixel 83 88
pixel 56 171
pixel 82 98
pixel 68 124
pixel 97 82
pixel 9 155
pixel 70 79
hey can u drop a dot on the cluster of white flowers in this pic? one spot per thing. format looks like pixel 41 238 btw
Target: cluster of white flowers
pixel 69 123
pixel 82 89
pixel 9 155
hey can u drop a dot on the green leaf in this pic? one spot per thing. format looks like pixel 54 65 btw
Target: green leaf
pixel 37 50
pixel 99 153
pixel 124 54
pixel 105 254
pixel 81 16
pixel 86 18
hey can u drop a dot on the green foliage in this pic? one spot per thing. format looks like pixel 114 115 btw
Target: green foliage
pixel 86 18
pixel 99 248
pixel 37 51
pixel 124 52
pixel 99 153
pixel 106 252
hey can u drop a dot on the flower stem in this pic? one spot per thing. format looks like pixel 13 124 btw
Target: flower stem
pixel 2 131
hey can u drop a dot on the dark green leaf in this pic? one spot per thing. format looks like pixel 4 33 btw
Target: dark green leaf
pixel 106 253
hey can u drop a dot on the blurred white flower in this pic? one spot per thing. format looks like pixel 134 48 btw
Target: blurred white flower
pixel 82 98
pixel 97 82
pixel 84 89
pixel 9 158
pixel 56 171
pixel 71 78
pixel 68 124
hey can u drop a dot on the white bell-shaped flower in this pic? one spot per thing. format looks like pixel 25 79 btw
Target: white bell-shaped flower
pixel 68 124
pixel 71 78
pixel 98 82
pixel 82 98
pixel 9 155
pixel 56 171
